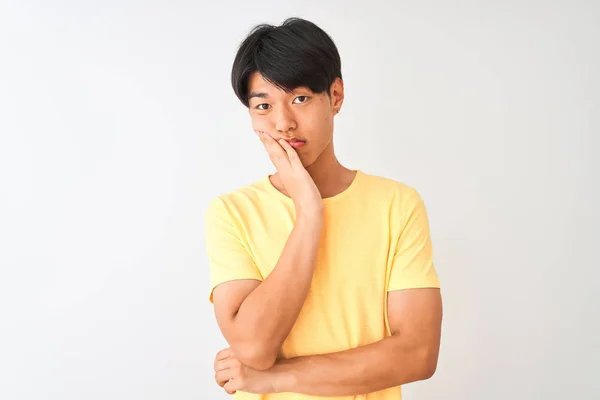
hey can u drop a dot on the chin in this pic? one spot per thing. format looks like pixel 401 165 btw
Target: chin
pixel 309 158
pixel 307 161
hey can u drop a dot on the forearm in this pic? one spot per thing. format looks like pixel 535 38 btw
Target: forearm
pixel 387 363
pixel 269 312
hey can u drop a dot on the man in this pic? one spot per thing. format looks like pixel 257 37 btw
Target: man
pixel 322 277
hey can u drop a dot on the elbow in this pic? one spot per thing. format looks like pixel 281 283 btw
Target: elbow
pixel 259 362
pixel 429 370
pixel 256 356
pixel 429 361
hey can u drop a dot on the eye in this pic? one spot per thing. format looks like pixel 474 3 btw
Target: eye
pixel 263 106
pixel 301 99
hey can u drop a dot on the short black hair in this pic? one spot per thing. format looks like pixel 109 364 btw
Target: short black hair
pixel 296 53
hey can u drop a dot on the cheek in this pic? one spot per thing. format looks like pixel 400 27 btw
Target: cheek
pixel 326 122
pixel 321 119
pixel 259 123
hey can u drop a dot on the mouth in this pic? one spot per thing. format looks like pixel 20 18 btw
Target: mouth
pixel 297 144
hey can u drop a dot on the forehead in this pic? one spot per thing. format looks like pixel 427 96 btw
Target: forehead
pixel 258 84
pixel 256 81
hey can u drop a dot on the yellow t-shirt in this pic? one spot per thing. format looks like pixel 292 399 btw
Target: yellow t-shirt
pixel 376 239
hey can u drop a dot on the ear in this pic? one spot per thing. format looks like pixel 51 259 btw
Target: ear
pixel 337 95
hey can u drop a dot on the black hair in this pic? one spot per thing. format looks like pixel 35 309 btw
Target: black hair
pixel 296 53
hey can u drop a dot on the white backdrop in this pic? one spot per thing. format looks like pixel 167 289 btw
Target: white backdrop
pixel 118 124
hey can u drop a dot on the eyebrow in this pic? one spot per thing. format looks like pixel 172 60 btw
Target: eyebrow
pixel 262 95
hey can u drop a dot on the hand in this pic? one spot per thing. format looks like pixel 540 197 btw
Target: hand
pixel 296 180
pixel 232 375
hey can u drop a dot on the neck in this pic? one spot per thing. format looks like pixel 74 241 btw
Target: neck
pixel 326 170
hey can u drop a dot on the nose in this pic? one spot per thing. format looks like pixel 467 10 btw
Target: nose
pixel 285 121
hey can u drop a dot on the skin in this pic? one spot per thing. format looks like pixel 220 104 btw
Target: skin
pixel 307 175
pixel 302 115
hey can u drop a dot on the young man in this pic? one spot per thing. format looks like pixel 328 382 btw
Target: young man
pixel 322 277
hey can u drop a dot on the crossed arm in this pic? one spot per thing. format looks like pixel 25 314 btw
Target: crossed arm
pixel 409 354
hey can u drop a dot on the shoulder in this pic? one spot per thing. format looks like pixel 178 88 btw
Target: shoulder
pixel 240 198
pixel 401 201
pixel 388 187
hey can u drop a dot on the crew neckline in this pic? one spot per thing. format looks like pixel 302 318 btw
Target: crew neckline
pixel 328 200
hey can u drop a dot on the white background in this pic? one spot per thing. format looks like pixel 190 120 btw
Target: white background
pixel 118 124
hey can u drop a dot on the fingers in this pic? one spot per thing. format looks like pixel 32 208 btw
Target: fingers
pixel 226 370
pixel 291 152
pixel 222 377
pixel 222 355
pixel 226 366
pixel 231 386
pixel 220 383
pixel 267 141
pixel 226 363
pixel 276 153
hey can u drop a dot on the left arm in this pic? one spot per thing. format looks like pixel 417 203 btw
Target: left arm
pixel 409 355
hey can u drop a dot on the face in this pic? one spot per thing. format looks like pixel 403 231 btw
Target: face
pixel 303 118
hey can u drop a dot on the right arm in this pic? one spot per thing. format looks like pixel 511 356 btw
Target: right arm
pixel 256 317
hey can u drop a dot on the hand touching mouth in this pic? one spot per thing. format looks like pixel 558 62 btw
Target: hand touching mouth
pixel 294 142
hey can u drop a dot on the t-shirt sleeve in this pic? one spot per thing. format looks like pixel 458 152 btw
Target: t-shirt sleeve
pixel 228 255
pixel 412 264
